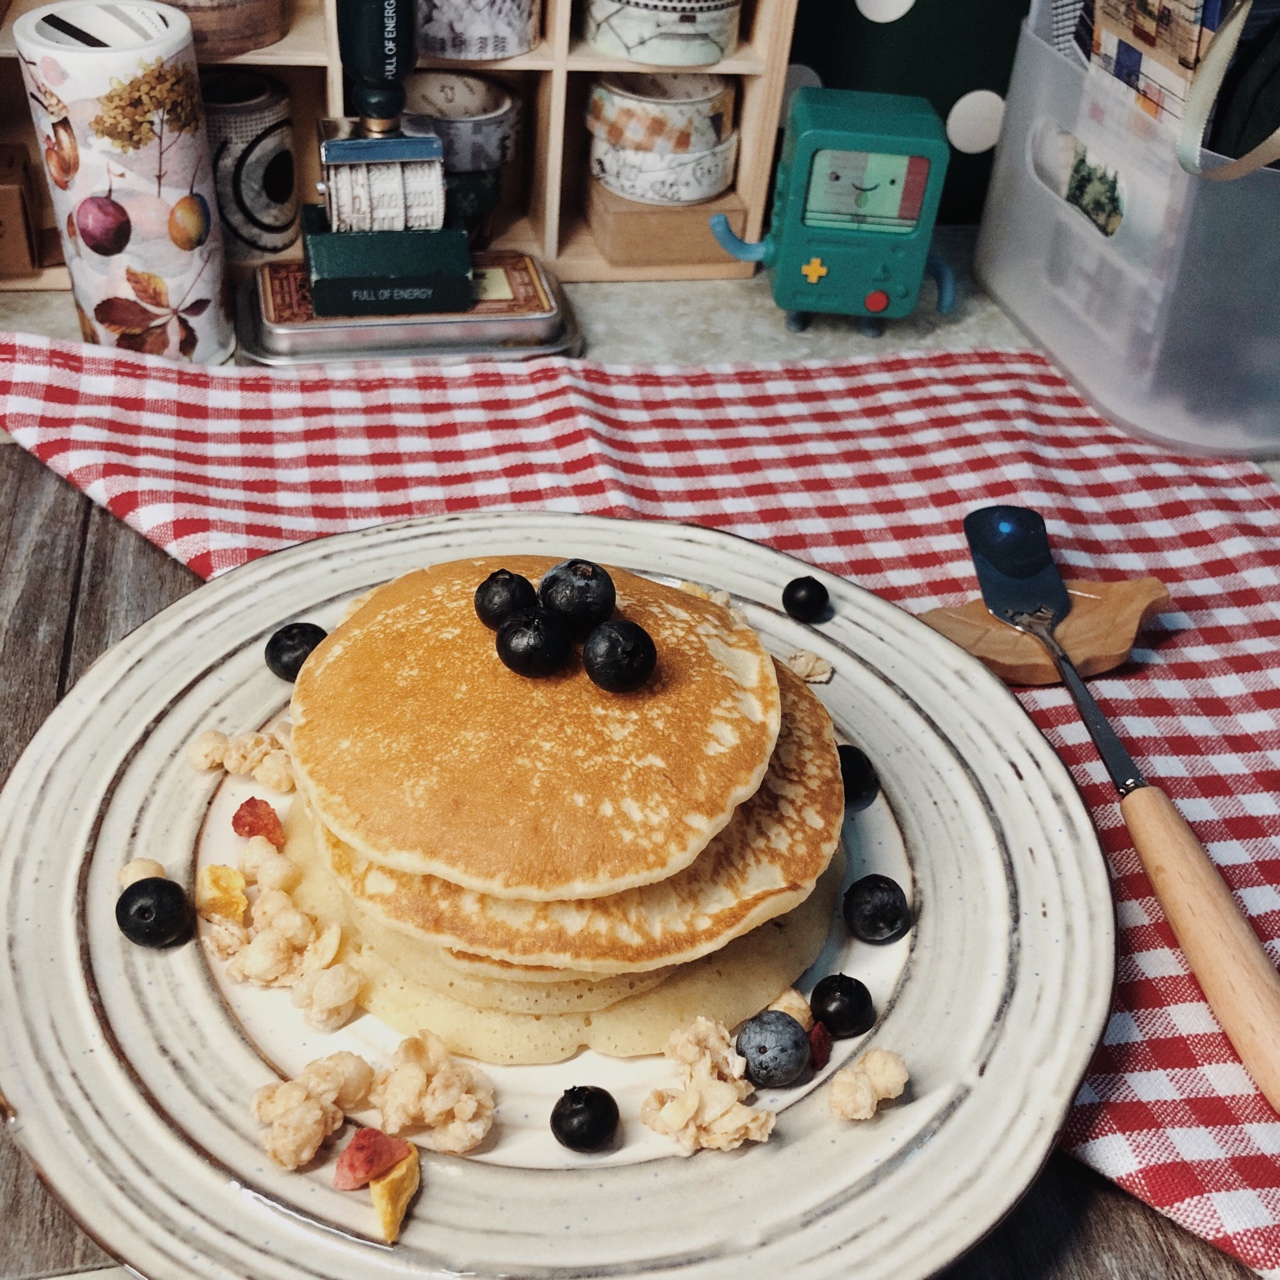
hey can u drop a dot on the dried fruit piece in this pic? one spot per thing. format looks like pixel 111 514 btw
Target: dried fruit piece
pixel 220 894
pixel 391 1195
pixel 819 1045
pixel 368 1155
pixel 256 817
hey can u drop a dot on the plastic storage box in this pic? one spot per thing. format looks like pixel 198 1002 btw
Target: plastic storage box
pixel 1158 293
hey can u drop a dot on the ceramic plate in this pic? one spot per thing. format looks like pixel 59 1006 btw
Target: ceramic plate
pixel 127 1073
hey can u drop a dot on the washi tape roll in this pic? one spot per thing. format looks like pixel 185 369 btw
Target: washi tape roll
pixel 669 114
pixel 251 136
pixel 684 33
pixel 115 98
pixel 652 177
pixel 478 29
pixel 476 119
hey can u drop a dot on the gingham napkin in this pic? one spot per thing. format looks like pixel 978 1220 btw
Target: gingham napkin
pixel 867 469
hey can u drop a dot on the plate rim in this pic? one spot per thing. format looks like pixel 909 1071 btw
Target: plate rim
pixel 232 583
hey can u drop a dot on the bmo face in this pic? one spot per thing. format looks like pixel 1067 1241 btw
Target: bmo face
pixel 866 190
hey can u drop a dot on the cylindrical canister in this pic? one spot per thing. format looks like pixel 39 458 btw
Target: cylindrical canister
pixel 478 29
pixel 251 137
pixel 116 101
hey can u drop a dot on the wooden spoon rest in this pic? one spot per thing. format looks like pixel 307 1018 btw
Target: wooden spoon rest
pixel 1097 634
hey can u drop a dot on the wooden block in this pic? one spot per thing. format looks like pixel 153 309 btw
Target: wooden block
pixel 630 234
pixel 1097 634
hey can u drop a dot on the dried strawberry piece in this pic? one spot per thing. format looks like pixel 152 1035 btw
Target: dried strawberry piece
pixel 819 1045
pixel 368 1155
pixel 256 817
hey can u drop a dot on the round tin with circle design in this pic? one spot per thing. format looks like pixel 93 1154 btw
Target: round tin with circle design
pixel 251 138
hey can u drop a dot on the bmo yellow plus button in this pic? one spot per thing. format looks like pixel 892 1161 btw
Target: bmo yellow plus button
pixel 813 270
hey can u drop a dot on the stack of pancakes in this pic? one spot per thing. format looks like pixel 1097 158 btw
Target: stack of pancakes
pixel 530 866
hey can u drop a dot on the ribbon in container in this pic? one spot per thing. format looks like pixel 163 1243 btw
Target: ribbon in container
pixel 664 33
pixel 663 139
pixel 478 29
pixel 116 100
pixel 251 135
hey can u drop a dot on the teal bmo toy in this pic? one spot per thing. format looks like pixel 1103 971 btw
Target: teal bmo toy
pixel 853 208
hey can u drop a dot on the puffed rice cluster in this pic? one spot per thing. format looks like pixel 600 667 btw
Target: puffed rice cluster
pixel 265 755
pixel 302 1113
pixel 708 1109
pixel 424 1089
pixel 857 1090
pixel 425 1086
pixel 810 667
pixel 273 943
pixel 793 1003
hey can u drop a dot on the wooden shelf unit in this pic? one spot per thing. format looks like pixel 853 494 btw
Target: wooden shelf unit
pixel 544 196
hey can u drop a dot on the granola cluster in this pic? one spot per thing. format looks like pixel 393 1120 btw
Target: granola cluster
pixel 856 1091
pixel 707 1110
pixel 810 667
pixel 264 755
pixel 450 1104
pixel 302 1113
pixel 425 1087
pixel 272 942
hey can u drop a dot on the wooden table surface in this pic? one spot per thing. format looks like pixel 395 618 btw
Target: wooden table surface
pixel 74 580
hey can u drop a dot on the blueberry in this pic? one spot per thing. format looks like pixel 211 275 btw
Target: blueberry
pixel 805 599
pixel 534 644
pixel 580 592
pixel 875 909
pixel 776 1048
pixel 619 655
pixel 861 786
pixel 501 594
pixel 844 1004
pixel 155 912
pixel 291 646
pixel 585 1118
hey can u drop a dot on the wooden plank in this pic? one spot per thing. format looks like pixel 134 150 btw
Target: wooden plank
pixel 124 581
pixel 41 538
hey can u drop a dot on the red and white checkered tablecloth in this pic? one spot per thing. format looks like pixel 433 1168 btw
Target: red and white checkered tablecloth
pixel 867 469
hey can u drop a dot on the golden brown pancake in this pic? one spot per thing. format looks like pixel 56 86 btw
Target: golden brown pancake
pixel 423 754
pixel 761 865
pixel 731 984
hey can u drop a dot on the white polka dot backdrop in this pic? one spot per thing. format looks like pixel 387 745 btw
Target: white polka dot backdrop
pixel 798 77
pixel 884 10
pixel 973 123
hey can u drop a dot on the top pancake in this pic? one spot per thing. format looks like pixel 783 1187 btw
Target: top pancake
pixel 419 749
pixel 762 865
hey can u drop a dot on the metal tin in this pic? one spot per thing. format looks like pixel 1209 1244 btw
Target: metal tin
pixel 533 319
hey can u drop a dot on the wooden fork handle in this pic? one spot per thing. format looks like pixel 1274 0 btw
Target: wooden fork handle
pixel 1239 980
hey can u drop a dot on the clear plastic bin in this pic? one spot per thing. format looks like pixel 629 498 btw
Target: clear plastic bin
pixel 1169 321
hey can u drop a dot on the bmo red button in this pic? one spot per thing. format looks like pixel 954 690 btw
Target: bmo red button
pixel 876 301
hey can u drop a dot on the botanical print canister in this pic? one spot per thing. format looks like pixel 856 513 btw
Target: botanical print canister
pixel 478 29
pixel 250 129
pixel 116 103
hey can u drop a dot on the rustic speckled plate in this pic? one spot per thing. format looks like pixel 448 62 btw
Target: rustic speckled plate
pixel 127 1073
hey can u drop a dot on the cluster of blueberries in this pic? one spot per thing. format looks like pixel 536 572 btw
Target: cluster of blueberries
pixel 573 601
pixel 777 1049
